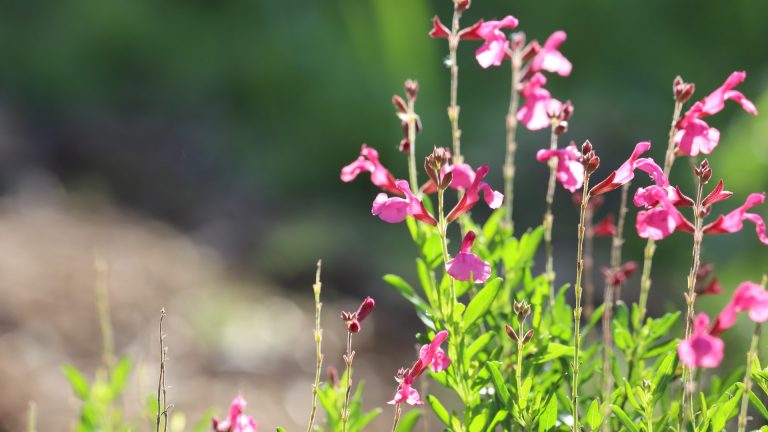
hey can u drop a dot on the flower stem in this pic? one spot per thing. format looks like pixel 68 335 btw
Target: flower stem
pixel 669 158
pixel 577 307
pixel 698 235
pixel 589 281
pixel 612 289
pixel 412 171
pixel 742 422
pixel 318 341
pixel 453 108
pixel 348 362
pixel 509 160
pixel 549 217
pixel 519 369
pixel 398 411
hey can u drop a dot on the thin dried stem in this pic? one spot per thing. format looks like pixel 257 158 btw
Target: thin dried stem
pixel 398 411
pixel 509 160
pixel 162 400
pixel 102 307
pixel 577 307
pixel 589 280
pixel 549 218
pixel 32 417
pixel 318 333
pixel 453 108
pixel 412 171
pixel 742 422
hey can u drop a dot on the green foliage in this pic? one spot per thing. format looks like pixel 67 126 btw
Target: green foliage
pixel 99 411
pixel 331 398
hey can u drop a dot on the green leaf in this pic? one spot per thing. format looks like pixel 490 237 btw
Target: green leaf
pixel 624 418
pixel 665 370
pixel 119 376
pixel 204 425
pixel 78 382
pixel 726 409
pixel 758 404
pixel 482 302
pixel 555 350
pixel 594 417
pixel 279 429
pixel 439 410
pixel 365 419
pixel 629 391
pixel 492 224
pixel 477 346
pixel 500 416
pixel 408 421
pixel 498 381
pixel 478 423
pixel 406 291
pixel 548 418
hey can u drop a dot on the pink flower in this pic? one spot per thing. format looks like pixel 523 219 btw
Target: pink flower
pixel 535 114
pixel 749 297
pixel 661 221
pixel 702 349
pixel 467 266
pixel 430 356
pixel 462 177
pixel 353 320
pixel 570 172
pixel 734 221
pixel 550 59
pixel 605 228
pixel 395 209
pixel 694 135
pixel 237 421
pixel 471 196
pixel 369 162
pixel 626 172
pixel 494 49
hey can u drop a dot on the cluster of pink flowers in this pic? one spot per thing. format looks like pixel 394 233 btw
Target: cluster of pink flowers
pixel 430 356
pixel 693 135
pixel 236 421
pixel 704 349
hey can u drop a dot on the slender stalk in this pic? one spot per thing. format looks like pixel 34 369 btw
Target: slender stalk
pixel 32 417
pixel 742 422
pixel 669 158
pixel 612 289
pixel 453 108
pixel 162 401
pixel 412 171
pixel 102 306
pixel 398 411
pixel 348 391
pixel 549 217
pixel 589 280
pixel 318 342
pixel 577 308
pixel 698 235
pixel 509 160
pixel 519 369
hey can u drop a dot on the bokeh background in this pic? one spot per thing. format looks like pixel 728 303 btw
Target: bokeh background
pixel 196 147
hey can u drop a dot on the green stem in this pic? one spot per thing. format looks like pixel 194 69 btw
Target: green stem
pixel 742 422
pixel 549 217
pixel 453 108
pixel 348 361
pixel 577 308
pixel 398 410
pixel 318 343
pixel 519 370
pixel 509 160
pixel 412 171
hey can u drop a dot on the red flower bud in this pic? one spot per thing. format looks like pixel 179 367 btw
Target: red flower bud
pixel 365 309
pixel 411 89
pixel 682 90
pixel 511 333
pixel 399 104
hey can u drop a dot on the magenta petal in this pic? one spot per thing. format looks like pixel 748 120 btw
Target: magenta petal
pixel 550 59
pixel 697 137
pixel 467 266
pixel 440 361
pixel 392 210
pixel 462 176
pixel 492 198
pixel 759 226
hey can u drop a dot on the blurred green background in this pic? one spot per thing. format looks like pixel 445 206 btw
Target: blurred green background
pixel 230 120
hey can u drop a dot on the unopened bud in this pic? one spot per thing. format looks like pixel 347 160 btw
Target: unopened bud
pixel 566 112
pixel 682 90
pixel 411 89
pixel 365 309
pixel 586 148
pixel 528 336
pixel 531 50
pixel 516 307
pixel 445 182
pixel 399 104
pixel 511 333
pixel 594 163
pixel 703 172
pixel 353 326
pixel 333 376
pixel 405 146
pixel 517 41
pixel 462 5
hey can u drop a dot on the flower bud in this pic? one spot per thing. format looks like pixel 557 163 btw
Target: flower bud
pixel 703 172
pixel 511 333
pixel 353 326
pixel 531 50
pixel 586 148
pixel 566 112
pixel 462 5
pixel 593 165
pixel 528 336
pixel 411 89
pixel 517 41
pixel 682 90
pixel 365 309
pixel 405 146
pixel 399 104
pixel 561 127
pixel 446 180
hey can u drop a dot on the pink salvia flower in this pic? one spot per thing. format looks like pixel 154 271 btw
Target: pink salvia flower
pixel 661 221
pixel 471 196
pixel 494 49
pixel 395 209
pixel 702 349
pixel 570 171
pixel 430 356
pixel 734 221
pixel 626 172
pixel 368 161
pixel 466 266
pixel 236 421
pixel 693 134
pixel 550 59
pixel 535 114
pixel 605 228
pixel 749 297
